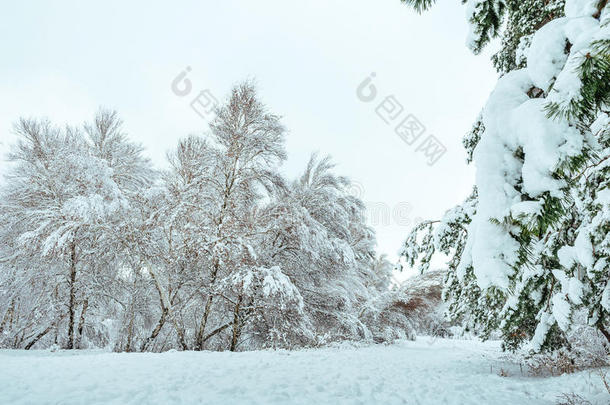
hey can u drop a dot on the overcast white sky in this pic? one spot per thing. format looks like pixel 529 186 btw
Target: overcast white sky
pixel 64 59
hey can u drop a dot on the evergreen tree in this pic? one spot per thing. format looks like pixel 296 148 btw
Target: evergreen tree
pixel 512 21
pixel 537 245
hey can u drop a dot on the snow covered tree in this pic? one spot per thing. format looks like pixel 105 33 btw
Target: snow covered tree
pixel 512 21
pixel 320 240
pixel 66 194
pixel 269 309
pixel 523 19
pixel 536 244
pixel 251 144
pixel 218 252
pixel 213 187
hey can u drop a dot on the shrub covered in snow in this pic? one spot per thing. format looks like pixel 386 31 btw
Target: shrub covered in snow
pixel 421 298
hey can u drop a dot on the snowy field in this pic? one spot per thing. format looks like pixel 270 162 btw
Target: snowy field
pixel 424 372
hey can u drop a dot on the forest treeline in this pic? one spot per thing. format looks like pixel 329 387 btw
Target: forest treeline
pixel 98 249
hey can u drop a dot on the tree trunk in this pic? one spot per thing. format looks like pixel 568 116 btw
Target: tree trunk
pixel 8 316
pixel 81 323
pixel 216 331
pixel 216 266
pixel 165 304
pixel 156 331
pixel 129 333
pixel 72 304
pixel 206 313
pixel 236 325
pixel 180 333
pixel 132 315
pixel 38 337
pixel 43 333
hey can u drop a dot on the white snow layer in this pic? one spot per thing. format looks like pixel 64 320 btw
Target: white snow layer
pixel 546 55
pixel 580 8
pixel 428 371
pixel 515 125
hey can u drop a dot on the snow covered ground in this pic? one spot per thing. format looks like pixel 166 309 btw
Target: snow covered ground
pixel 427 371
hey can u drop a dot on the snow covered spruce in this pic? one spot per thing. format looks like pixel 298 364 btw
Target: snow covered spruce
pixel 219 252
pixel 530 249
